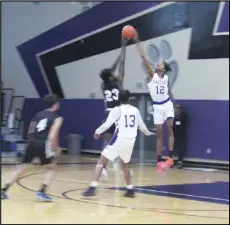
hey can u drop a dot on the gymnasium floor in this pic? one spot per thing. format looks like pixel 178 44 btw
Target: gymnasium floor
pixel 177 196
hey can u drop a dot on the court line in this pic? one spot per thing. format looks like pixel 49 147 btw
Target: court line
pixel 117 206
pixel 150 190
pixel 143 209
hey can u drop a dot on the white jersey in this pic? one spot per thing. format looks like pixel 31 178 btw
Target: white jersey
pixel 158 88
pixel 127 119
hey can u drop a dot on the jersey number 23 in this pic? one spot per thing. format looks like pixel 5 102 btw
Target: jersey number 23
pixel 111 95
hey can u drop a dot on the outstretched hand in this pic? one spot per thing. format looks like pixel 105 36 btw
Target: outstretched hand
pixel 96 136
pixel 124 41
pixel 149 133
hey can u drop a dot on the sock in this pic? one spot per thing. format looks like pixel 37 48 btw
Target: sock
pixel 170 154
pixel 159 159
pixel 93 184
pixel 7 186
pixel 43 188
pixel 130 186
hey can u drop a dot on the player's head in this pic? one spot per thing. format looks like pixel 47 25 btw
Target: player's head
pixel 178 109
pixel 107 75
pixel 164 67
pixel 124 96
pixel 51 102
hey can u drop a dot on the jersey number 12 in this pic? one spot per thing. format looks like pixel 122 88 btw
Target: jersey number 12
pixel 160 90
pixel 41 125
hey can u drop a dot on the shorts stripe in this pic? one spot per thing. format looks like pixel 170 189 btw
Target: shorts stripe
pixel 160 103
pixel 114 138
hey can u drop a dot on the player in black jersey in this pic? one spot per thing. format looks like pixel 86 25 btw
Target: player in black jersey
pixel 111 85
pixel 43 144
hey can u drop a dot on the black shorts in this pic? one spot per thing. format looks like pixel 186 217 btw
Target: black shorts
pixel 38 149
pixel 112 129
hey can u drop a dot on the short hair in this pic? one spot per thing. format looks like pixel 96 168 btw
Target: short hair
pixel 105 74
pixel 50 100
pixel 124 96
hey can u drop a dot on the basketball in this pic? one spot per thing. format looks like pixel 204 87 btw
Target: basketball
pixel 128 32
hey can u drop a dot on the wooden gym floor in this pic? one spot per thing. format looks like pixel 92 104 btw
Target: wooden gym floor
pixel 177 196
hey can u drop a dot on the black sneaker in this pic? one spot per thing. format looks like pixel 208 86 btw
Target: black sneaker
pixel 180 165
pixel 91 191
pixel 4 195
pixel 129 193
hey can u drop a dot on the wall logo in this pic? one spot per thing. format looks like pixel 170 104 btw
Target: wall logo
pixel 86 5
pixel 163 52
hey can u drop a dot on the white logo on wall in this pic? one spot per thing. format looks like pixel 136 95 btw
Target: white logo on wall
pixel 86 5
pixel 163 52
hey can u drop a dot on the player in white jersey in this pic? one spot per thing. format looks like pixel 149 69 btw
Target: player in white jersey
pixel 128 120
pixel 163 109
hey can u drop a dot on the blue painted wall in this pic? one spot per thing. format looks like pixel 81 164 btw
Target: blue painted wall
pixel 208 123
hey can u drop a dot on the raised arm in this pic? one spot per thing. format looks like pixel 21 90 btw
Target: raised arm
pixel 121 68
pixel 115 64
pixel 148 66
pixel 112 118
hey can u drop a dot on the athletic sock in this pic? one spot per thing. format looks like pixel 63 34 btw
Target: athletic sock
pixel 130 186
pixel 43 188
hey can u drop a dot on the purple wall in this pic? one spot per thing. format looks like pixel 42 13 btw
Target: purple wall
pixel 208 124
pixel 208 119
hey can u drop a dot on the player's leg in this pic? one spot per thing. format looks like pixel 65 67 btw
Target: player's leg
pixel 180 143
pixel 107 138
pixel 127 175
pixel 158 122
pixel 47 158
pixel 169 113
pixel 107 154
pixel 125 152
pixel 20 169
pixel 169 123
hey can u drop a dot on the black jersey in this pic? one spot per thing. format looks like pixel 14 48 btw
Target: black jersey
pixel 111 92
pixel 43 122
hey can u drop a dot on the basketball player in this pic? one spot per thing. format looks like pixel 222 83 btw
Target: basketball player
pixel 163 109
pixel 111 85
pixel 43 143
pixel 128 120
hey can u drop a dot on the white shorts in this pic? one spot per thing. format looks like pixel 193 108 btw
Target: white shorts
pixel 120 148
pixel 162 112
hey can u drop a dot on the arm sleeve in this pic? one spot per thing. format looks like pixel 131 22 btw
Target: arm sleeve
pixel 114 115
pixel 141 123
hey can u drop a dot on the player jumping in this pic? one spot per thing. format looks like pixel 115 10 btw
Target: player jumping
pixel 128 120
pixel 43 143
pixel 111 85
pixel 163 109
